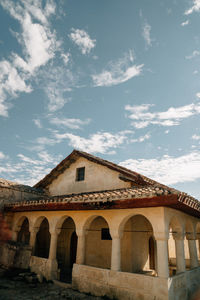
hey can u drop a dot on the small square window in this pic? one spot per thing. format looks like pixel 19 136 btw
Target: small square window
pixel 105 234
pixel 80 174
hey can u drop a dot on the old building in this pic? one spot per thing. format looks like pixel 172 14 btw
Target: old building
pixel 110 230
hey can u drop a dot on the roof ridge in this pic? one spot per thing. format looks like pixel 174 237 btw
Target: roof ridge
pixel 139 178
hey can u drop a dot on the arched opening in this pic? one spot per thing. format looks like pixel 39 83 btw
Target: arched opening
pixel 66 249
pixel 73 249
pixel 24 234
pixel 43 240
pixel 152 253
pixel 174 230
pixel 98 244
pixel 138 250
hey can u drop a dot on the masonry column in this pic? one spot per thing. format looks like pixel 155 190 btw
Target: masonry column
pixel 192 250
pixel 180 253
pixel 162 254
pixel 80 255
pixel 116 251
pixel 52 261
pixel 33 233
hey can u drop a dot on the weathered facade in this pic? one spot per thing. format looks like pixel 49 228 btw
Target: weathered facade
pixel 111 231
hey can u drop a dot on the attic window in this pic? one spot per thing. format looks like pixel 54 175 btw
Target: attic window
pixel 80 174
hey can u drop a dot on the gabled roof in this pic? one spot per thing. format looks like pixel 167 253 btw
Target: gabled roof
pixel 126 174
pixel 145 192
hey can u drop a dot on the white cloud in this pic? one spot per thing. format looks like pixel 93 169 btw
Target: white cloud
pixel 118 72
pixel 185 23
pixel 143 117
pixel 38 42
pixel 57 81
pixel 168 170
pixel 28 170
pixel 45 141
pixel 196 137
pixel 11 82
pixel 141 138
pixel 100 142
pixel 2 155
pixel 82 39
pixel 146 32
pixel 56 99
pixel 198 95
pixel 37 123
pixel 65 57
pixel 194 8
pixel 194 54
pixel 70 123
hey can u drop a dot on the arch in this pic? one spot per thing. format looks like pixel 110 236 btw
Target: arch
pixel 39 221
pixel 62 220
pixel 197 229
pixel 90 219
pixel 66 247
pixel 43 238
pixel 98 243
pixel 18 223
pixel 125 220
pixel 189 228
pixel 175 225
pixel 136 254
pixel 24 233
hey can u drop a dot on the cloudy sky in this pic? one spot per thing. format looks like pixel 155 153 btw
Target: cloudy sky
pixel 118 79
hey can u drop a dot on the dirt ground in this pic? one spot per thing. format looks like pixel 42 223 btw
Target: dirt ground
pixel 15 287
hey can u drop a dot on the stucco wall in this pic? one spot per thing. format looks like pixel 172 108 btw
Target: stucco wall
pixel 97 178
pixel 98 251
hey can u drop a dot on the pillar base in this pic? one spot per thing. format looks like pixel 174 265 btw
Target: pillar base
pixel 52 267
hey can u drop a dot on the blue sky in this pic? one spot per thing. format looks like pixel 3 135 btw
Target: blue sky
pixel 118 79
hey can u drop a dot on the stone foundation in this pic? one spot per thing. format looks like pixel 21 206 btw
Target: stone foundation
pixel 45 267
pixel 14 255
pixel 130 286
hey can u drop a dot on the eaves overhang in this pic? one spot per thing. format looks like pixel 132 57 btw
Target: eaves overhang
pixel 185 204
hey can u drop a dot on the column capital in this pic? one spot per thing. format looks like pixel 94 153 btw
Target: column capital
pixel 81 232
pixel 178 236
pixel 191 236
pixel 33 229
pixel 55 231
pixel 116 234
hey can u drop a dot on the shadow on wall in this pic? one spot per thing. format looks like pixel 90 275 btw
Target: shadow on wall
pixel 5 232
